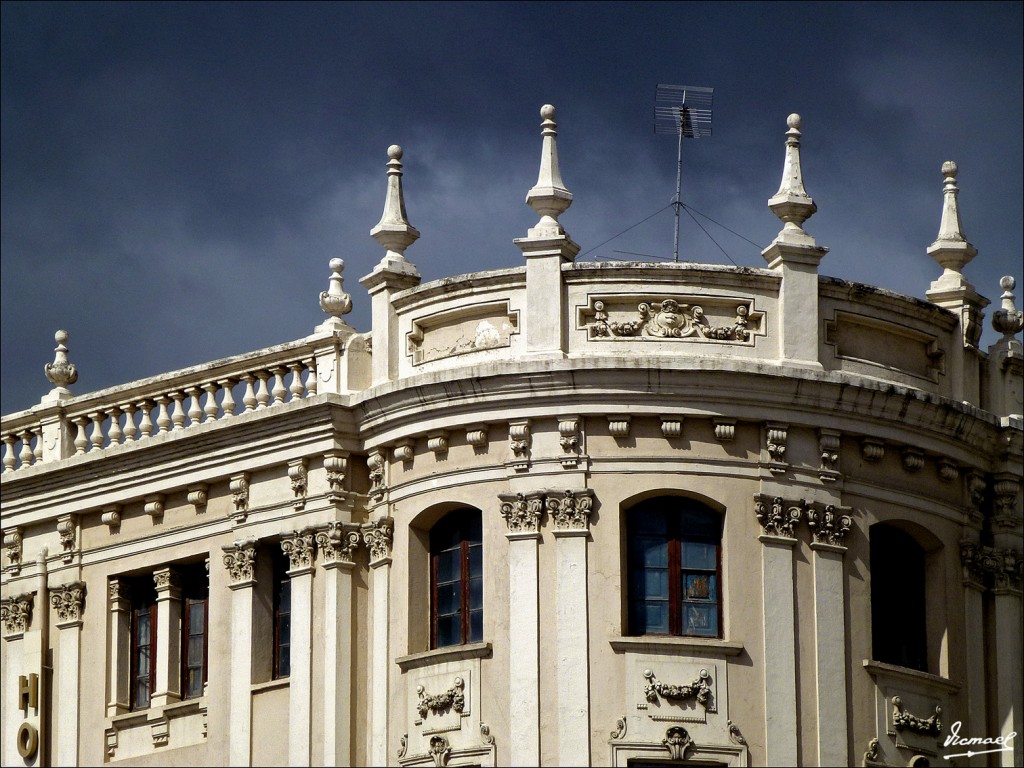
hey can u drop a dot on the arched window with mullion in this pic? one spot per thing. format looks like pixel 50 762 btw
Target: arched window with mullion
pixel 456 579
pixel 674 568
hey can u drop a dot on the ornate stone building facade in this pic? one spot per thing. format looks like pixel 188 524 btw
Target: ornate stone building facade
pixel 559 514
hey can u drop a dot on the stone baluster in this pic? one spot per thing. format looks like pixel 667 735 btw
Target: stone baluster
pixel 10 455
pixel 37 452
pixel 311 379
pixel 262 391
pixel 249 398
pixel 228 404
pixel 210 409
pixel 296 387
pixel 195 410
pixel 146 424
pixel 114 433
pixel 97 429
pixel 278 389
pixel 163 418
pixel 130 430
pixel 26 448
pixel 81 441
pixel 178 412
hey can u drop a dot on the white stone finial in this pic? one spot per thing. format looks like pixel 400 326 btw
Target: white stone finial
pixel 334 301
pixel 1008 320
pixel 394 231
pixel 951 249
pixel 791 203
pixel 60 372
pixel 549 197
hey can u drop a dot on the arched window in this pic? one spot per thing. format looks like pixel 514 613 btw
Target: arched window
pixel 456 580
pixel 898 624
pixel 674 548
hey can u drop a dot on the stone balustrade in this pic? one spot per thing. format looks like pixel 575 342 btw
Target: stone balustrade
pixel 171 402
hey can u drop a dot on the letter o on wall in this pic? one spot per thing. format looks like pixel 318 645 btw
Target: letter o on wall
pixel 28 740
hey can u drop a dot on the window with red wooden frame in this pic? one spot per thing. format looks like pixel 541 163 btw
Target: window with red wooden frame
pixel 456 580
pixel 194 630
pixel 142 594
pixel 282 601
pixel 674 565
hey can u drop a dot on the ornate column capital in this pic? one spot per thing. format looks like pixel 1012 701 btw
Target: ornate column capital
pixel 167 582
pixel 69 603
pixel 240 560
pixel 571 511
pixel 337 542
pixel 298 547
pixel 378 538
pixel 829 524
pixel 777 517
pixel 16 615
pixel 522 511
pixel 971 556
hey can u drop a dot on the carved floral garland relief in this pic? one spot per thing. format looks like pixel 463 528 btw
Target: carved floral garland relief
pixel 610 317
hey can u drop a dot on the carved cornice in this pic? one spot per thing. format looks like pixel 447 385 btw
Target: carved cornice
pixel 901 719
pixel 777 518
pixel 16 614
pixel 677 741
pixel 69 602
pixel 572 510
pixel 828 524
pixel 522 512
pixel 378 538
pixel 337 542
pixel 298 548
pixel 699 689
pixel 453 700
pixel 240 560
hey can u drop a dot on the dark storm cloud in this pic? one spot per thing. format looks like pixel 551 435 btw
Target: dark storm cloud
pixel 175 177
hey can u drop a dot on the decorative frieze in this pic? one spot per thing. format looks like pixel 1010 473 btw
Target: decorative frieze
pixel 913 459
pixel 871 449
pixel 828 446
pixel 111 516
pixel 198 496
pixel 13 549
pixel 671 427
pixel 901 719
pixel 437 442
pixel 240 560
pixel 375 465
pixel 677 741
pixel 69 602
pixel 669 318
pixel 297 475
pixel 725 430
pixel 519 444
pixel 335 466
pixel 16 614
pixel 521 512
pixel 571 511
pixel 775 517
pixel 337 542
pixel 618 426
pixel 699 689
pixel 452 700
pixel 154 506
pixel 239 487
pixel 298 548
pixel 66 530
pixel 828 524
pixel 378 538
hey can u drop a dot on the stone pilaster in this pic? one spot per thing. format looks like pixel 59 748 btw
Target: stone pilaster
pixel 240 561
pixel 378 537
pixel 299 549
pixel 68 602
pixel 167 687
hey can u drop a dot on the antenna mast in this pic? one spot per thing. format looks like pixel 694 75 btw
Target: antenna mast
pixel 684 111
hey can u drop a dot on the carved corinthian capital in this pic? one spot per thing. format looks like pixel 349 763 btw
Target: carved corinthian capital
pixel 240 560
pixel 298 547
pixel 16 614
pixel 522 512
pixel 828 524
pixel 571 511
pixel 69 602
pixel 377 537
pixel 777 518
pixel 337 542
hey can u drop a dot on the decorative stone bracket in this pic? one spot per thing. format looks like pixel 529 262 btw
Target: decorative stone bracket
pixel 901 719
pixel 699 689
pixel 677 741
pixel 297 470
pixel 453 700
pixel 13 547
pixel 519 444
pixel 239 487
pixel 336 465
pixel 775 437
pixel 66 530
pixel 378 488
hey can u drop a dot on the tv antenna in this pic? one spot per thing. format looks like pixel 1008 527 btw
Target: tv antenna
pixel 685 111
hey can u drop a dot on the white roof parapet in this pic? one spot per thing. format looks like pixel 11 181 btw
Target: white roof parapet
pixel 951 249
pixel 791 203
pixel 60 372
pixel 394 231
pixel 549 197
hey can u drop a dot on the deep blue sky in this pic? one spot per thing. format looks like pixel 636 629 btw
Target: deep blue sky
pixel 175 177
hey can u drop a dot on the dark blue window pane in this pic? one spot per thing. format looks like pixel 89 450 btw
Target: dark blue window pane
pixel 656 617
pixel 448 598
pixel 284 602
pixel 476 626
pixel 476 594
pixel 448 566
pixel 700 620
pixel 656 584
pixel 284 661
pixel 196 617
pixel 653 552
pixel 449 630
pixel 699 554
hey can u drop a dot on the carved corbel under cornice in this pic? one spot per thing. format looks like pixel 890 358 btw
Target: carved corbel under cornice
pixel 16 615
pixel 198 495
pixel 297 475
pixel 67 526
pixel 519 444
pixel 570 511
pixel 154 506
pixel 336 467
pixel 239 487
pixel 240 560
pixel 828 445
pixel 13 547
pixel 522 511
pixel 570 440
pixel 375 462
pixel 1004 492
pixel 775 437
pixel 976 498
pixel 69 603
pixel 337 542
pixel 378 539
